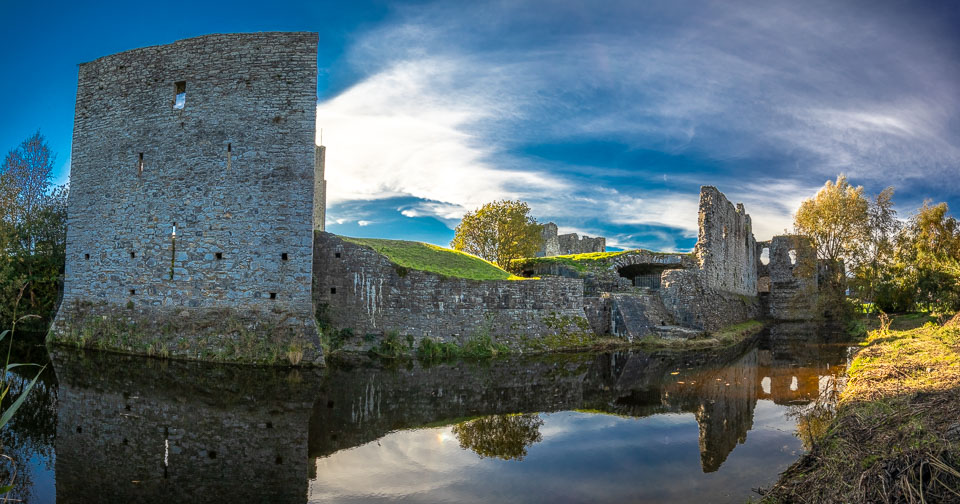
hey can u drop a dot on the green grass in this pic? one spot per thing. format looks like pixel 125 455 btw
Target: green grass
pixel 433 259
pixel 580 262
pixel 889 439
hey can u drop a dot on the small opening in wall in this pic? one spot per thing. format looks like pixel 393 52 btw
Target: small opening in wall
pixel 793 256
pixel 133 255
pixel 79 430
pixel 273 295
pixel 229 154
pixel 284 256
pixel 279 460
pixel 86 256
pixel 219 255
pixel 140 165
pixel 337 255
pixel 333 290
pixel 229 148
pixel 269 425
pixel 213 454
pixel 179 94
pixel 133 292
pixel 765 256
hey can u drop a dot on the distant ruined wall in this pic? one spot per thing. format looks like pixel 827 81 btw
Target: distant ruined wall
pixel 192 183
pixel 571 243
pixel 358 289
pixel 726 248
pixel 793 278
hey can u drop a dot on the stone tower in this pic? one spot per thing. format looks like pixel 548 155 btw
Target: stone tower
pixel 190 218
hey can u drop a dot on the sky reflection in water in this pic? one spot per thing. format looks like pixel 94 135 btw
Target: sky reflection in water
pixel 702 426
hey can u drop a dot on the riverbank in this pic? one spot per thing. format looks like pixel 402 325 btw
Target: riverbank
pixel 896 433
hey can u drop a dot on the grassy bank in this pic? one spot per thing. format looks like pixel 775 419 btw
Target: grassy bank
pixel 896 433
pixel 434 259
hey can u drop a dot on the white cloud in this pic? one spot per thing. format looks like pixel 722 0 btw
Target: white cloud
pixel 817 90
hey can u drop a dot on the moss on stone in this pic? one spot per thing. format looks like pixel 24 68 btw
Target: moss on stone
pixel 209 335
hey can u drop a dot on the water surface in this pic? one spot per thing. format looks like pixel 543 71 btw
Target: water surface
pixel 696 426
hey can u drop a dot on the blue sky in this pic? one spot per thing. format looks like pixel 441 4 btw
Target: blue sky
pixel 605 116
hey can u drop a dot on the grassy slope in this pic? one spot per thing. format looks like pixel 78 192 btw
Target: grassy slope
pixel 434 259
pixel 580 262
pixel 896 432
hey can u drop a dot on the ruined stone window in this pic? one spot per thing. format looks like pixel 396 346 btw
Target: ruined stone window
pixel 284 256
pixel 86 256
pixel 219 255
pixel 140 165
pixel 793 256
pixel 133 292
pixel 765 256
pixel 179 94
pixel 333 290
pixel 133 255
pixel 273 295
pixel 337 255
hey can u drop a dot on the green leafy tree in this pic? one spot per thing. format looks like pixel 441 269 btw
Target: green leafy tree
pixel 837 219
pixel 928 259
pixel 499 232
pixel 33 217
pixel 501 436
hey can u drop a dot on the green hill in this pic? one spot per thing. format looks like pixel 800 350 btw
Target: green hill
pixel 434 259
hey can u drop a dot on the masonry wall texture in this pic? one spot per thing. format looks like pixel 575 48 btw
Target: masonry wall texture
pixel 570 243
pixel 725 246
pixel 794 284
pixel 203 201
pixel 358 289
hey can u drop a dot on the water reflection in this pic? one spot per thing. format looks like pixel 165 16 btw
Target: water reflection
pixel 143 430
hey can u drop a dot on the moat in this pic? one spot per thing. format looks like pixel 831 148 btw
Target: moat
pixel 638 426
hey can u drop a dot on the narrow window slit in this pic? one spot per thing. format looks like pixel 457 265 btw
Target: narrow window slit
pixel 140 165
pixel 133 255
pixel 333 290
pixel 229 154
pixel 86 257
pixel 180 94
pixel 284 256
pixel 273 295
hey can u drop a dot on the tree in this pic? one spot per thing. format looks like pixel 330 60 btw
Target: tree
pixel 502 436
pixel 837 219
pixel 499 232
pixel 33 217
pixel 878 247
pixel 928 259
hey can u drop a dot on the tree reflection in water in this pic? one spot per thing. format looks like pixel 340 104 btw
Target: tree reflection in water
pixel 500 436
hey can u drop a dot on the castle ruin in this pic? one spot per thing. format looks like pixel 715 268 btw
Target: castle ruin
pixel 570 243
pixel 196 186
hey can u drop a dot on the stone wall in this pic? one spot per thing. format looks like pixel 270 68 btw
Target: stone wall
pixel 192 181
pixel 696 306
pixel 570 243
pixel 726 248
pixel 793 278
pixel 320 190
pixel 358 289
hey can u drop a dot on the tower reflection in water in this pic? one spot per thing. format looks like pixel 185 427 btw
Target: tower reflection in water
pixel 133 429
